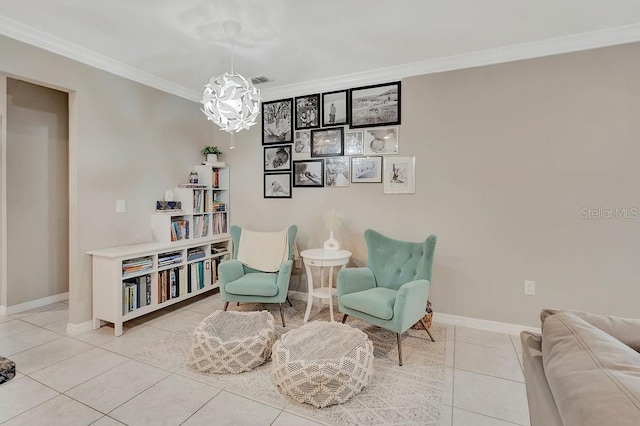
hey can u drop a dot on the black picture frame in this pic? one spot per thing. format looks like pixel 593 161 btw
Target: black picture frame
pixel 277 121
pixel 307 112
pixel 377 105
pixel 277 185
pixel 277 158
pixel 339 99
pixel 308 173
pixel 327 142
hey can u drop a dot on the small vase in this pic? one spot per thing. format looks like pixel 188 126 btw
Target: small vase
pixel 212 158
pixel 331 243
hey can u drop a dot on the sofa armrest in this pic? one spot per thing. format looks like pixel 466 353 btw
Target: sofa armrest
pixel 411 303
pixel 542 407
pixel 284 276
pixel 229 271
pixel 352 280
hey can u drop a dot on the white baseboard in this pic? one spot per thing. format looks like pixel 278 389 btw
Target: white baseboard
pixel 3 311
pixel 500 327
pixel 75 329
pixel 33 304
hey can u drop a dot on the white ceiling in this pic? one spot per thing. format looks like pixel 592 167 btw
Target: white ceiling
pixel 178 45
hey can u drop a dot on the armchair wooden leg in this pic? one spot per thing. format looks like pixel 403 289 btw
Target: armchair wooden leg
pixel 238 304
pixel 281 314
pixel 290 304
pixel 226 305
pixel 399 349
pixel 424 323
pixel 344 318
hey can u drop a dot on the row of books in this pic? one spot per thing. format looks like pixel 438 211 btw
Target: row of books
pixel 199 201
pixel 179 229
pixel 136 293
pixel 176 282
pixel 165 259
pixel 136 265
pixel 219 224
pixel 195 253
pixel 215 178
pixel 200 226
pixel 219 207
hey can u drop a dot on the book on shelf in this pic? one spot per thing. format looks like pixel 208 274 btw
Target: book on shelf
pixel 165 259
pixel 195 253
pixel 218 206
pixel 170 212
pixel 136 293
pixel 192 185
pixel 137 264
pixel 179 229
pixel 199 275
pixel 219 224
pixel 170 282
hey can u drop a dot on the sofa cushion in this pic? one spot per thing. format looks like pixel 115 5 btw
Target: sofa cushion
pixel 594 378
pixel 254 284
pixel 377 302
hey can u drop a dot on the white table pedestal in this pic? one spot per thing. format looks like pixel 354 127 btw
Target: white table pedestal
pixel 322 258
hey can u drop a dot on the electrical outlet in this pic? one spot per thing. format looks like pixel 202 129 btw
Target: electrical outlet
pixel 530 288
pixel 120 207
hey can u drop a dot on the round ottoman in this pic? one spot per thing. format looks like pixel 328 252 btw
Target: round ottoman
pixel 322 363
pixel 232 342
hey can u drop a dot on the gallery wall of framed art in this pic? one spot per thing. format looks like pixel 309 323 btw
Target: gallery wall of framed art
pixel 336 139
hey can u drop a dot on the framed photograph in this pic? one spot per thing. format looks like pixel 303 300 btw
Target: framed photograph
pixel 336 172
pixel 308 112
pixel 381 141
pixel 327 142
pixel 302 145
pixel 399 175
pixel 277 123
pixel 373 106
pixel 277 158
pixel 308 173
pixel 335 108
pixel 277 185
pixel 353 143
pixel 366 169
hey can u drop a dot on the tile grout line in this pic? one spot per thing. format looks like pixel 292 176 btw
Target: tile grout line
pixel 490 417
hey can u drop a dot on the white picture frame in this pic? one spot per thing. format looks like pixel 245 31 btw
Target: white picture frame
pixel 336 172
pixel 399 175
pixel 382 141
pixel 353 142
pixel 302 145
pixel 366 169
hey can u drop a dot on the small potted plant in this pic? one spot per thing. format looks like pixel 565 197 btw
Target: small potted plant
pixel 211 152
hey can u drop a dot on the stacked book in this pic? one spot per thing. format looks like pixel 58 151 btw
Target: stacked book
pixel 136 265
pixel 179 229
pixel 219 207
pixel 136 293
pixel 165 259
pixel 194 253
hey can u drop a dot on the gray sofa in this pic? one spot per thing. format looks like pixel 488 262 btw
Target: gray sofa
pixel 583 370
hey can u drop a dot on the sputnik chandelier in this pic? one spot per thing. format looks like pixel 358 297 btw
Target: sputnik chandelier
pixel 230 100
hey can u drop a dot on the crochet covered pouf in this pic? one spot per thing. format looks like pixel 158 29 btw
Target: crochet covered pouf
pixel 232 342
pixel 7 369
pixel 322 363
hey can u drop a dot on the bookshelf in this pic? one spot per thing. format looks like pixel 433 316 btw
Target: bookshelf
pixel 182 261
pixel 170 273
pixel 205 209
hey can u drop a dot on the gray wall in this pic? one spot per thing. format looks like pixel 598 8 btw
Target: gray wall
pixel 37 192
pixel 128 141
pixel 507 156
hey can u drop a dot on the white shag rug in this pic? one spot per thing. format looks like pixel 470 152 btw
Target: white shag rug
pixel 407 395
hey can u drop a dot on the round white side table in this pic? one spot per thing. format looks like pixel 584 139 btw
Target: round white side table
pixel 321 258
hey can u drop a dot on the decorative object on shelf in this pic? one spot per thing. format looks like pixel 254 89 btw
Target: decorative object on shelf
pixel 231 101
pixel 193 177
pixel 168 195
pixel 211 152
pixel 333 219
pixel 399 175
pixel 373 106
pixel 168 205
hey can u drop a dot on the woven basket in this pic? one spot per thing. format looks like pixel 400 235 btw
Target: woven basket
pixel 427 319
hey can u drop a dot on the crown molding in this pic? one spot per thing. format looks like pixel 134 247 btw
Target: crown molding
pixel 516 52
pixel 37 38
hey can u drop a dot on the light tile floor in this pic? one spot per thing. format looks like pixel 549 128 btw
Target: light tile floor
pixel 92 378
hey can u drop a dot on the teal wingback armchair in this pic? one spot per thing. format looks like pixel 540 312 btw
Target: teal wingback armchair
pixel 391 291
pixel 239 283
